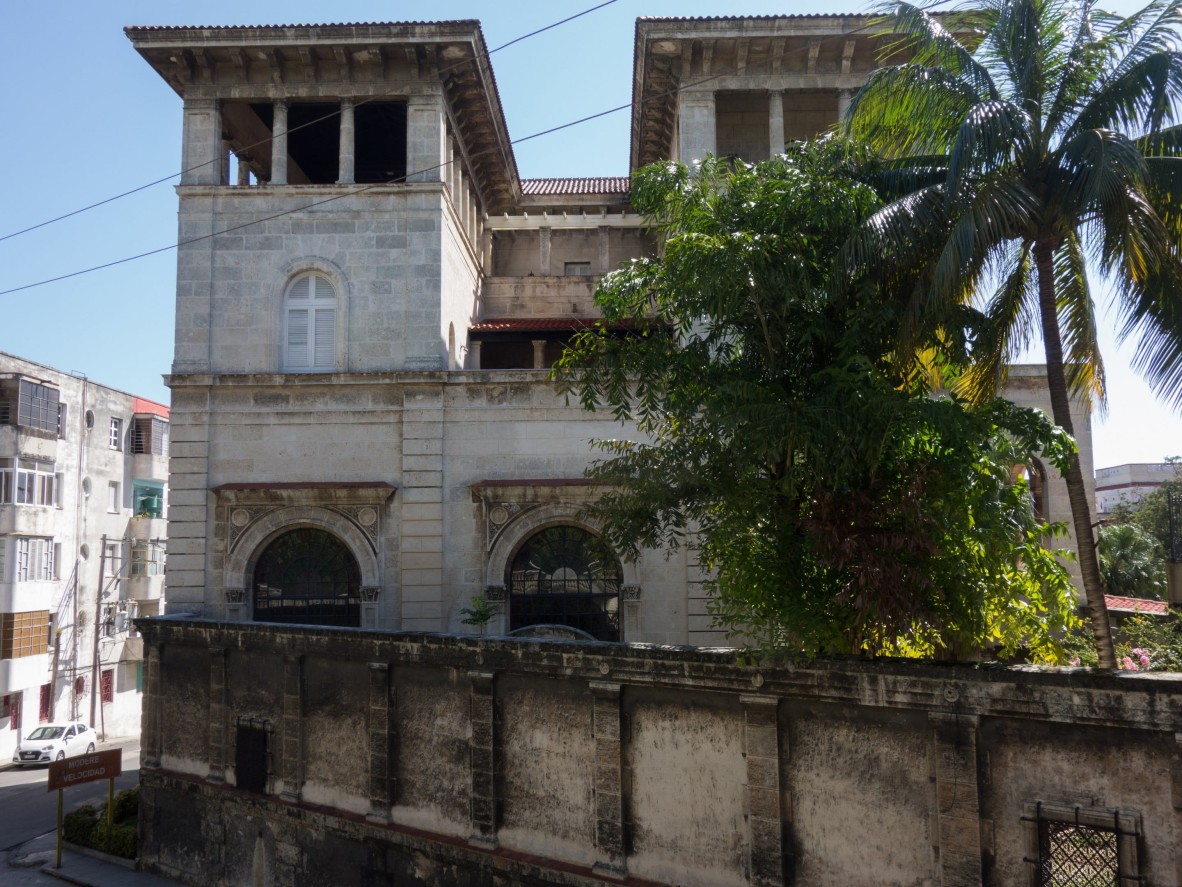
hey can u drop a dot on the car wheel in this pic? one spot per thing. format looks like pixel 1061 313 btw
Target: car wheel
pixel 90 748
pixel 61 756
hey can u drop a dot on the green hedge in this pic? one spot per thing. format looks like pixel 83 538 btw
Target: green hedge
pixel 88 827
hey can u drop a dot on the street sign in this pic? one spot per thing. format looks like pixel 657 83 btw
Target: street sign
pixel 87 768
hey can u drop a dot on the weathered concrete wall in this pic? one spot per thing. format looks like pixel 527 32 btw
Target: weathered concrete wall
pixel 438 759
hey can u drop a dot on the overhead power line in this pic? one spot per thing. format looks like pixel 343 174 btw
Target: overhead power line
pixel 273 136
pixel 399 179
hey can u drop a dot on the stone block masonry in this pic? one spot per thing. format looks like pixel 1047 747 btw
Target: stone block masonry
pixel 425 759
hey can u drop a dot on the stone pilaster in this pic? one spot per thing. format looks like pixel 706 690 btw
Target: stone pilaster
pixel 603 241
pixel 544 251
pixel 426 143
pixel 380 724
pixel 150 733
pixel 482 757
pixel 279 143
pixel 292 768
pixel 369 606
pixel 235 598
pixel 958 810
pixel 539 353
pixel 765 824
pixel 610 843
pixel 775 118
pixel 218 715
pixel 201 143
pixel 421 540
pixel 1176 797
pixel 347 162
pixel 844 97
pixel 697 126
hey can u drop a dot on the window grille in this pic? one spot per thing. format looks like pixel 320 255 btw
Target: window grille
pixel 1078 846
pixel 149 435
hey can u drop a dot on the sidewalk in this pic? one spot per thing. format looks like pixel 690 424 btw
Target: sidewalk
pixel 77 868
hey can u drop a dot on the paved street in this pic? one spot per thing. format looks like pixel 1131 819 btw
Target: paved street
pixel 29 809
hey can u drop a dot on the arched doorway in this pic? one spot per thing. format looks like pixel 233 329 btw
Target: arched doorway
pixel 307 576
pixel 565 575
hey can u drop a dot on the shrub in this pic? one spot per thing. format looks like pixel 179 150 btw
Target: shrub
pixel 120 839
pixel 127 804
pixel 78 826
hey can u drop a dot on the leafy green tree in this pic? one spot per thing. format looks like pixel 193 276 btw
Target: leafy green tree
pixel 839 506
pixel 1131 562
pixel 1037 136
pixel 1152 514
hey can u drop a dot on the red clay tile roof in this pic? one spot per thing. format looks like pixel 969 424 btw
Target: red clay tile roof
pixel 1136 605
pixel 532 324
pixel 599 185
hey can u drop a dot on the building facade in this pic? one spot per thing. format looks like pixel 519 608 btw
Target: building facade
pixel 83 479
pixel 1128 484
pixel 362 348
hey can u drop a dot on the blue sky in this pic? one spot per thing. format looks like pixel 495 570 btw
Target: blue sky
pixel 85 118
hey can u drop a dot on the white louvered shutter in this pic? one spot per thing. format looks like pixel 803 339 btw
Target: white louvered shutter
pixel 325 354
pixel 311 324
pixel 297 338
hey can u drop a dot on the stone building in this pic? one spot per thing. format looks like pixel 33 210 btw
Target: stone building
pixel 83 476
pixel 362 346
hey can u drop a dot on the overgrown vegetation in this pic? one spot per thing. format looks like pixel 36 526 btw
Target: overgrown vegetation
pixel 87 826
pixel 841 505
pixel 1143 643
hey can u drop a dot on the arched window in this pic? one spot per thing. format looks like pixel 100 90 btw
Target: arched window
pixel 310 325
pixel 565 575
pixel 310 577
pixel 1035 476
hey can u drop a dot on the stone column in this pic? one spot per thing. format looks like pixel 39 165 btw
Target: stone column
pixel 379 743
pixel 217 714
pixel 369 606
pixel 958 810
pixel 292 751
pixel 610 843
pixel 235 598
pixel 604 264
pixel 201 143
pixel 765 825
pixel 630 604
pixel 279 143
pixel 243 171
pixel 223 164
pixel 544 252
pixel 539 353
pixel 1176 797
pixel 482 757
pixel 473 361
pixel 347 165
pixel 426 145
pixel 150 739
pixel 844 97
pixel 697 126
pixel 775 101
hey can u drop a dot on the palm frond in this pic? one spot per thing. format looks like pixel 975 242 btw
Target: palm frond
pixel 1077 325
pixel 928 41
pixel 909 109
pixel 1094 172
pixel 991 133
pixel 1142 99
pixel 1010 322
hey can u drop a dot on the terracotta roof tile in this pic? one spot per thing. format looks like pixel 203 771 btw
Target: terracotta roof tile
pixel 532 324
pixel 1136 605
pixel 598 185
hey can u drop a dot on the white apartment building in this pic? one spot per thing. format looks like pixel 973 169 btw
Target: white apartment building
pixel 83 478
pixel 1128 484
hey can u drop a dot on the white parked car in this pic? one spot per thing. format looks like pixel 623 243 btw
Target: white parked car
pixel 54 742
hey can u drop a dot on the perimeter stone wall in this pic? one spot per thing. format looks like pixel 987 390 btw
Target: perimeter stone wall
pixel 412 758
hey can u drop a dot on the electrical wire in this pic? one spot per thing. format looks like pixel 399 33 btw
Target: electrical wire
pixel 313 122
pixel 402 179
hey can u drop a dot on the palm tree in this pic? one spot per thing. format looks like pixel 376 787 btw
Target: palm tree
pixel 1131 562
pixel 1036 140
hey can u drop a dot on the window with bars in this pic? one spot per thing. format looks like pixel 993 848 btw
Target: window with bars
pixel 1082 846
pixel 310 325
pixel 29 404
pixel 45 708
pixel 149 435
pixel 107 685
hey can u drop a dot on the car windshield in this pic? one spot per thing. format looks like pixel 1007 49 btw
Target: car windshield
pixel 46 733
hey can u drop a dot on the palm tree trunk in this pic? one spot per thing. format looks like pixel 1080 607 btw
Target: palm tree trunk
pixel 1081 510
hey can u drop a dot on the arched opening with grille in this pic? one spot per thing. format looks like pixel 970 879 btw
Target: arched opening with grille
pixel 307 576
pixel 565 575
